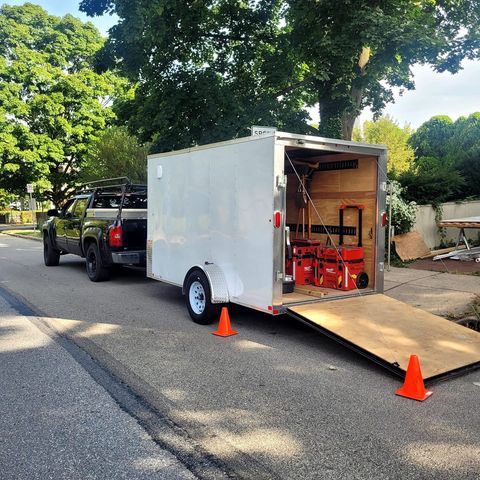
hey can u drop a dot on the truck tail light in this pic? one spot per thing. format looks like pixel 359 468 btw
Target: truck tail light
pixel 115 236
pixel 277 219
pixel 383 216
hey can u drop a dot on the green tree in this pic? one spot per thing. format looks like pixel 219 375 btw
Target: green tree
pixel 220 65
pixel 432 137
pixel 432 185
pixel 449 150
pixel 5 199
pixel 53 106
pixel 386 131
pixel 464 152
pixel 117 153
pixel 199 67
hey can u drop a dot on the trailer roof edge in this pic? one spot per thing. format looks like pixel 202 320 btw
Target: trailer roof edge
pixel 335 143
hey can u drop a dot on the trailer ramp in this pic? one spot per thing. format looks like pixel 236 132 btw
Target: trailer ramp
pixel 389 331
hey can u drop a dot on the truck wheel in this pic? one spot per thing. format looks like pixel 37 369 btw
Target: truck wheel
pixel 51 256
pixel 198 296
pixel 96 271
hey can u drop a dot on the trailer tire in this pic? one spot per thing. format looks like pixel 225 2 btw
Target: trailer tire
pixel 199 299
pixel 96 270
pixel 51 256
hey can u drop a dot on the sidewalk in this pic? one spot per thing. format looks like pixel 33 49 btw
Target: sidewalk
pixel 438 293
pixel 56 422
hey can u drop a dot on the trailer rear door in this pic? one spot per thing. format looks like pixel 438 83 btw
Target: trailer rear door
pixel 389 331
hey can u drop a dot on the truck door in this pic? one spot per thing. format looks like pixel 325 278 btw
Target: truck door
pixel 74 225
pixel 61 225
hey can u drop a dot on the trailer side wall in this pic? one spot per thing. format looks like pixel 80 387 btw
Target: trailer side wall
pixel 215 205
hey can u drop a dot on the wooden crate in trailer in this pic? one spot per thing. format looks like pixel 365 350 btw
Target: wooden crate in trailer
pixel 292 224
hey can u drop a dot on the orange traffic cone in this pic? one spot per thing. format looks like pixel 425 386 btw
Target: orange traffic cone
pixel 224 327
pixel 413 386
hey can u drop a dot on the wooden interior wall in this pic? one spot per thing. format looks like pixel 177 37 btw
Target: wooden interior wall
pixel 330 189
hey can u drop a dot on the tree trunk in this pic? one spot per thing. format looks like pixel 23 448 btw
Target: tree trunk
pixel 330 122
pixel 348 118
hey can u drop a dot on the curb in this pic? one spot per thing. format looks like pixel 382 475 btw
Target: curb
pixel 22 236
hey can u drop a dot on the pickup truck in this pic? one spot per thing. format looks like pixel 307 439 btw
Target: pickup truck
pixel 105 222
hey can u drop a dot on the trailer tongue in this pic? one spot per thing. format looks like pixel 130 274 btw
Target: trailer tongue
pixel 389 331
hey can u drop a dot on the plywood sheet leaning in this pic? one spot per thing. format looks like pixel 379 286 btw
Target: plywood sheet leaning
pixel 391 331
pixel 410 246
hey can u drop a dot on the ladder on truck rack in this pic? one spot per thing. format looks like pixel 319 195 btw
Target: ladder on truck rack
pixel 388 331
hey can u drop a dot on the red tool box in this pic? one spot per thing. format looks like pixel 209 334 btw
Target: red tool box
pixel 302 263
pixel 342 268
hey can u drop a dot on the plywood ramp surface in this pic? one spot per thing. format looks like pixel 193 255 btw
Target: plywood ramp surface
pixel 392 331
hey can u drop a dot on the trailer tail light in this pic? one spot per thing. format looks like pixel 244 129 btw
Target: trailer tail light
pixel 115 236
pixel 277 219
pixel 383 216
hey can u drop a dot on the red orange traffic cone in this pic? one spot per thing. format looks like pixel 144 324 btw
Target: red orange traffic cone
pixel 224 327
pixel 413 386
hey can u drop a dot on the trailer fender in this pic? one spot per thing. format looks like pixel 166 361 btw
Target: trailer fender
pixel 216 278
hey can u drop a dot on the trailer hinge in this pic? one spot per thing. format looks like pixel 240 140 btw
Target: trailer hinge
pixel 281 181
pixel 381 266
pixel 383 186
pixel 279 276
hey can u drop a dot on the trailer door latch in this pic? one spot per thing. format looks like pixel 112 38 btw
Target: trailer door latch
pixel 281 181
pixel 279 276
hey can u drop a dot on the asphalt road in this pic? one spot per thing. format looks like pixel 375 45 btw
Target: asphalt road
pixel 57 422
pixel 276 401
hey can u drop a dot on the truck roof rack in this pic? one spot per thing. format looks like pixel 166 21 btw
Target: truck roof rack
pixel 122 184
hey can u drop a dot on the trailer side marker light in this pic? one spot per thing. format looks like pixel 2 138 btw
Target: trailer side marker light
pixel 277 219
pixel 384 218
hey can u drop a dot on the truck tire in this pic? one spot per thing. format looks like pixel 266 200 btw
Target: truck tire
pixel 51 256
pixel 96 270
pixel 198 296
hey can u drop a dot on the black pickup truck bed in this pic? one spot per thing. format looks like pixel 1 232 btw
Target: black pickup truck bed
pixel 105 223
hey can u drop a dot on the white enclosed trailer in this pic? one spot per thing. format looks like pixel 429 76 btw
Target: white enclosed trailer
pixel 217 218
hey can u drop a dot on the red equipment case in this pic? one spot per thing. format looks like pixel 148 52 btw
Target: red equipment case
pixel 342 268
pixel 302 264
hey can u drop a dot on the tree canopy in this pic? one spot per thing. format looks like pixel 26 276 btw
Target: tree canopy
pixel 53 106
pixel 448 153
pixel 117 152
pixel 386 131
pixel 208 70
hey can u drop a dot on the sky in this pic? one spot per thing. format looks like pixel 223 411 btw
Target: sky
pixel 435 93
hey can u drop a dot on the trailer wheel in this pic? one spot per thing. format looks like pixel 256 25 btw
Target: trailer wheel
pixel 198 296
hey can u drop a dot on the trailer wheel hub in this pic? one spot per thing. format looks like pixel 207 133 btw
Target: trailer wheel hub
pixel 197 297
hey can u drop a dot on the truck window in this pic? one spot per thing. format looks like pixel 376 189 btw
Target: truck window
pixel 68 208
pixel 132 200
pixel 79 208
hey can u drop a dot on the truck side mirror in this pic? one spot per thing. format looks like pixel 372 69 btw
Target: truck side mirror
pixel 53 212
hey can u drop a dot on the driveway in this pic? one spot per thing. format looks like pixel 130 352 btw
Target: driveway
pixel 439 293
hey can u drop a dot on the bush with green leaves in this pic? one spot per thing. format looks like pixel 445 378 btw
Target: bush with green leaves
pixel 403 212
